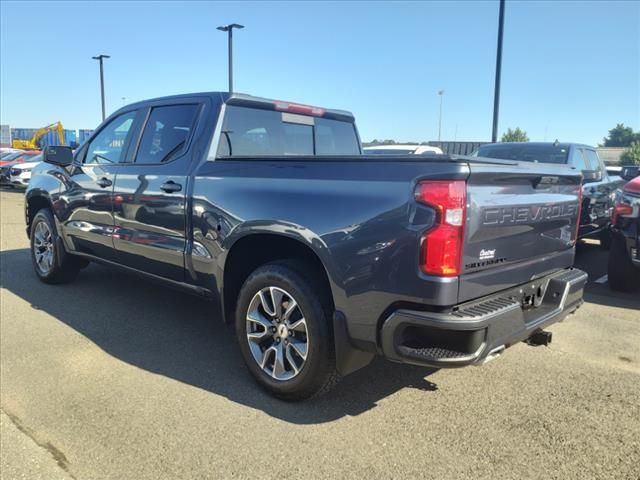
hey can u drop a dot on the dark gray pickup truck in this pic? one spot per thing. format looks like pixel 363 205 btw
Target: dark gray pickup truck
pixel 598 190
pixel 321 256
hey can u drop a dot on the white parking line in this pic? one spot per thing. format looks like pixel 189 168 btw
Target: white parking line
pixel 602 279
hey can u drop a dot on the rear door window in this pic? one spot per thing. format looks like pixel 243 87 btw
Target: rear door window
pixel 166 133
pixel 255 132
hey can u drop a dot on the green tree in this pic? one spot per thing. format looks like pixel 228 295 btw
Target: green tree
pixel 621 136
pixel 516 135
pixel 631 156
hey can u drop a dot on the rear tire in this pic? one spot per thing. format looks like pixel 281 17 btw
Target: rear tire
pixel 622 274
pixel 284 331
pixel 50 262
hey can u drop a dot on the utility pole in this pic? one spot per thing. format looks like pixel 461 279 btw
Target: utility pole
pixel 441 93
pixel 496 93
pixel 99 58
pixel 229 29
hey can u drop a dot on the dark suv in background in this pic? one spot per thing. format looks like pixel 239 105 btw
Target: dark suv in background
pixel 598 190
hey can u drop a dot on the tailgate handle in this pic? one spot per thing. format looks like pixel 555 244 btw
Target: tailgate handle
pixel 545 181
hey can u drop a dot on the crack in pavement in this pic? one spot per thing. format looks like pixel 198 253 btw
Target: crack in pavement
pixel 56 453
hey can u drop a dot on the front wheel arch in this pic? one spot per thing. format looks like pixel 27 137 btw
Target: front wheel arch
pixel 33 206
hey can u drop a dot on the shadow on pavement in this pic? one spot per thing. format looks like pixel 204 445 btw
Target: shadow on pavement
pixel 603 295
pixel 177 335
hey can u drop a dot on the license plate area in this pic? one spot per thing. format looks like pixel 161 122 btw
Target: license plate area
pixel 532 295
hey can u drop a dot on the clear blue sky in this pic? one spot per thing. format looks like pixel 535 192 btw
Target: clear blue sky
pixel 570 69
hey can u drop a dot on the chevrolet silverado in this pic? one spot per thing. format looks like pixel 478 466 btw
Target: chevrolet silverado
pixel 321 257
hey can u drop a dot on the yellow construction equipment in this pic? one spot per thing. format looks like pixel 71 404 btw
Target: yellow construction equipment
pixel 32 144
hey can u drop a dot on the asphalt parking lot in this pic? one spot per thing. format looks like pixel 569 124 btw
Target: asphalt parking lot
pixel 111 377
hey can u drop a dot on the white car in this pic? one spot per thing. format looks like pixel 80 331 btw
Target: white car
pixel 401 150
pixel 20 173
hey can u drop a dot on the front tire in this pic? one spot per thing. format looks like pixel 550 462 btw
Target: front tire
pixel 50 262
pixel 623 276
pixel 284 332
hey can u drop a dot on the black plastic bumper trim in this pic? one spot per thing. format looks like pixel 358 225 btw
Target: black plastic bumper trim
pixel 501 316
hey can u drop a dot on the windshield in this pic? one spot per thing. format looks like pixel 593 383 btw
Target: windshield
pixel 525 153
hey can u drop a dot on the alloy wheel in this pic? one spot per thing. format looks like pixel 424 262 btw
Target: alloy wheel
pixel 43 248
pixel 277 333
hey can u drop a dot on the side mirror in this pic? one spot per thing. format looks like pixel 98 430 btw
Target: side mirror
pixel 629 173
pixel 589 176
pixel 58 155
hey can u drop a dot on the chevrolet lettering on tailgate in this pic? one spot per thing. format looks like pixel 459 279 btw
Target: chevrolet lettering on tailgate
pixel 528 213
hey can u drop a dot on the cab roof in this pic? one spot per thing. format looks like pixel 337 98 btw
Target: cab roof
pixel 243 99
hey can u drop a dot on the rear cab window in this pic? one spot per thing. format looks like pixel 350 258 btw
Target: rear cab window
pixel 254 132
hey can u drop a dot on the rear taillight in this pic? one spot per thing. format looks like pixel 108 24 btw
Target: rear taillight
pixel 620 209
pixel 442 244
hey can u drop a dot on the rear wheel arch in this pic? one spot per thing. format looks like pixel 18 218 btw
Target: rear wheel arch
pixel 254 250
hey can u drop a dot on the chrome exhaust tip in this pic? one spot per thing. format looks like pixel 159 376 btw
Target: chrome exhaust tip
pixel 493 354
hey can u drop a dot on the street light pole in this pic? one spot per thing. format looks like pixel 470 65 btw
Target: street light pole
pixel 496 95
pixel 229 29
pixel 441 93
pixel 99 58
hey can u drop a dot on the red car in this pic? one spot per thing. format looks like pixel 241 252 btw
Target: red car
pixel 19 157
pixel 624 256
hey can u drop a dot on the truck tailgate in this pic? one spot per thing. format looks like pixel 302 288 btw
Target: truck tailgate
pixel 521 224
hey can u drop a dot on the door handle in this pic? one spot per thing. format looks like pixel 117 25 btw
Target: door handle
pixel 104 182
pixel 171 187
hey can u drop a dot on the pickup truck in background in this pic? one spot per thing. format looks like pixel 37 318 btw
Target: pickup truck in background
pixel 624 255
pixel 598 191
pixel 322 257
